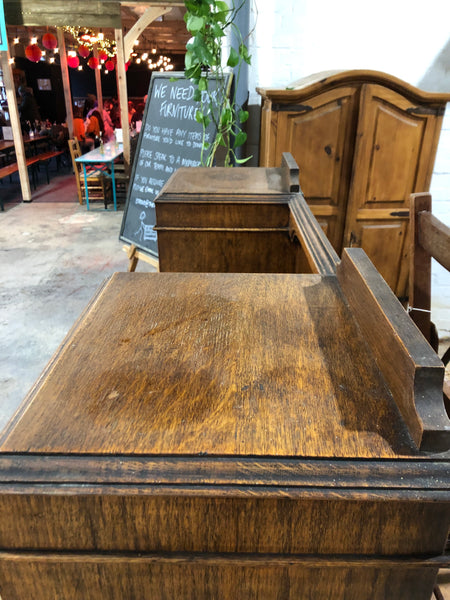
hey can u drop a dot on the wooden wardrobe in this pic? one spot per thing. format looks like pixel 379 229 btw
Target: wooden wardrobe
pixel 364 141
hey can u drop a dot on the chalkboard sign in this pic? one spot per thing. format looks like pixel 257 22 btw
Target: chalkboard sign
pixel 170 138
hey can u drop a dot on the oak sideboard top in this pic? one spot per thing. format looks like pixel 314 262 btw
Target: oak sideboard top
pixel 213 364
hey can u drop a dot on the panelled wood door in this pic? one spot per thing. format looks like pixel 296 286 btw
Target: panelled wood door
pixel 394 153
pixel 363 140
pixel 319 134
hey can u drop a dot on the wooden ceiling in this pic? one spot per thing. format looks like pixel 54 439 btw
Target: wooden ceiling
pixel 168 33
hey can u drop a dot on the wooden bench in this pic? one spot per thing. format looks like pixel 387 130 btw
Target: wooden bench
pixel 46 157
pixel 32 161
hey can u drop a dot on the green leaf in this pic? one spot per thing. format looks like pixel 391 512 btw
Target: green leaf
pixel 226 117
pixel 199 117
pixel 193 72
pixel 202 51
pixel 222 16
pixel 197 95
pixel 243 53
pixel 240 139
pixel 243 115
pixel 241 161
pixel 217 31
pixel 188 59
pixel 202 84
pixel 194 24
pixel 233 59
pixel 221 6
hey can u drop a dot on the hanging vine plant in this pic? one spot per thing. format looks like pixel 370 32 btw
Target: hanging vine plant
pixel 209 22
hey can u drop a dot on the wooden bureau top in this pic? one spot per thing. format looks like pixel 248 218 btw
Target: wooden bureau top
pixel 207 182
pixel 216 364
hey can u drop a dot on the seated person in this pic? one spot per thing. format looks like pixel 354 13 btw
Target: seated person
pixel 78 125
pixel 94 128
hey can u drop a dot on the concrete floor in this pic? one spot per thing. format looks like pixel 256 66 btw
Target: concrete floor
pixel 53 256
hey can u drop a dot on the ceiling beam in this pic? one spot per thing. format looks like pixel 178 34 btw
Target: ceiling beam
pixel 58 13
pixel 152 13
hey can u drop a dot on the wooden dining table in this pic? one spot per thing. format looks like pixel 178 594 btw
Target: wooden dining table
pixel 104 156
pixel 8 146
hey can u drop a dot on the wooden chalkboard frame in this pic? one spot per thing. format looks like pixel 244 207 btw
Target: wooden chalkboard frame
pixel 142 235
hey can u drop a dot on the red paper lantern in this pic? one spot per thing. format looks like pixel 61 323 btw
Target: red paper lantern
pixel 73 61
pixel 93 62
pixel 109 65
pixel 83 51
pixel 49 41
pixel 102 55
pixel 127 64
pixel 33 53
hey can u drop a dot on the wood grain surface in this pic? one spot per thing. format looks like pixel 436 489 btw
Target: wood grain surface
pixel 217 364
pixel 137 580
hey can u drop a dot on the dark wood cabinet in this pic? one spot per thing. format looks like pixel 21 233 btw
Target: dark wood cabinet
pixel 232 435
pixel 363 141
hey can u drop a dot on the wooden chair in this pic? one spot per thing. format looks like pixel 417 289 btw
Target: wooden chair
pixel 430 238
pixel 99 186
pixel 122 176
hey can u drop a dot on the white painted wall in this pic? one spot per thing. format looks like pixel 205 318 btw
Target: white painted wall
pixel 406 38
pixel 295 38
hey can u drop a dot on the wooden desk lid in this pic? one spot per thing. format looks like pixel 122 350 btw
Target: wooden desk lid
pixel 245 181
pixel 217 364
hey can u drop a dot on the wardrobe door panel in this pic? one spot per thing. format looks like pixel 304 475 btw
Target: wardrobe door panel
pixel 319 134
pixel 394 143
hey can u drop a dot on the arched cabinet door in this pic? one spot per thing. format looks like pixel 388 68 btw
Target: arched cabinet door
pixel 319 134
pixel 363 141
pixel 395 148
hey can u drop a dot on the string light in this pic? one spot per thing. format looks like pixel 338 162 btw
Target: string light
pixel 33 40
pixel 16 40
pixel 105 44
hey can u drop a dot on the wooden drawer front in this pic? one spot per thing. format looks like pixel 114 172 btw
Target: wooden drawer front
pixel 222 213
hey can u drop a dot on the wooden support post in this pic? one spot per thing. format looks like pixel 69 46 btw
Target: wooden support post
pixel 123 96
pixel 8 80
pixel 65 80
pixel 98 83
pixel 152 13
